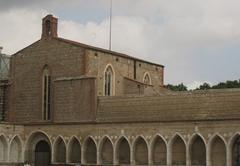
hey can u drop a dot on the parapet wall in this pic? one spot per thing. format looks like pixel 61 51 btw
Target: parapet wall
pixel 181 106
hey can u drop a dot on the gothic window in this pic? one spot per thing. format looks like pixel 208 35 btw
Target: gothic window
pixel 147 79
pixel 46 94
pixel 108 81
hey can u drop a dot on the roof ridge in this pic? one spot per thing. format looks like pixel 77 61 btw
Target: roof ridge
pixel 103 50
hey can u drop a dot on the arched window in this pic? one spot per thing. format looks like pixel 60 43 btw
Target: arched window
pixel 109 81
pixel 46 98
pixel 147 79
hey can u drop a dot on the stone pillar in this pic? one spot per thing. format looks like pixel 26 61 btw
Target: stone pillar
pixel 67 154
pixel 98 156
pixel 229 155
pixel 132 157
pixel 169 154
pixel 82 155
pixel 188 156
pixel 208 155
pixel 115 159
pixel 150 158
pixel 53 155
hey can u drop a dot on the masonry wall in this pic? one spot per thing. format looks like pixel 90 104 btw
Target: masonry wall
pixel 74 100
pixel 174 106
pixel 173 134
pixel 97 62
pixel 63 60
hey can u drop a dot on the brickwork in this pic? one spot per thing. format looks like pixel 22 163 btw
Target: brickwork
pixel 62 59
pixel 123 67
pixel 75 98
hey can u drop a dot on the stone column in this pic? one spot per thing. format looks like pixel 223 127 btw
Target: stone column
pixel 67 154
pixel 169 154
pixel 208 155
pixel 82 155
pixel 53 155
pixel 98 156
pixel 150 158
pixel 229 155
pixel 132 157
pixel 115 159
pixel 188 156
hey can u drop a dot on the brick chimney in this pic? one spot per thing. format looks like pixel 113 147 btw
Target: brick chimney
pixel 49 26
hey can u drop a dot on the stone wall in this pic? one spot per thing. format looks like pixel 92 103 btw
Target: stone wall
pixel 123 67
pixel 74 100
pixel 210 143
pixel 62 60
pixel 172 106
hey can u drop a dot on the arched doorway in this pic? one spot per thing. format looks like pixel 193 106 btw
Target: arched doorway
pixel 59 151
pixel 74 151
pixel 90 151
pixel 178 151
pixel 218 152
pixel 123 152
pixel 198 152
pixel 15 150
pixel 141 151
pixel 106 152
pixel 42 154
pixel 159 151
pixel 236 152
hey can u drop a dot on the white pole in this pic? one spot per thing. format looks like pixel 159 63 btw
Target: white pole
pixel 110 35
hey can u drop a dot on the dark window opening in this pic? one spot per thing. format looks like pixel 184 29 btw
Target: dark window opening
pixel 46 95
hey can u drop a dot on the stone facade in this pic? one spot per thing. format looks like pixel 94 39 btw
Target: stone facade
pixel 69 104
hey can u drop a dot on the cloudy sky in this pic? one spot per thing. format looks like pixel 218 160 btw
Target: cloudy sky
pixel 197 40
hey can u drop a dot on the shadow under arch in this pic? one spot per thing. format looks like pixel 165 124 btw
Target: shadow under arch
pixel 140 151
pixel 16 146
pixel 234 145
pixel 106 151
pixel 178 147
pixel 59 148
pixel 123 151
pixel 32 148
pixel 3 148
pixel 197 149
pixel 158 150
pixel 89 150
pixel 217 146
pixel 74 150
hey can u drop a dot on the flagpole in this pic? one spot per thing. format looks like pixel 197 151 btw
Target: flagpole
pixel 110 31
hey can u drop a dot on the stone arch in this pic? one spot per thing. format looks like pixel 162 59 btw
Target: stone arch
pixel 90 151
pixel 3 148
pixel 109 81
pixel 147 78
pixel 106 151
pixel 74 150
pixel 234 145
pixel 158 150
pixel 140 149
pixel 59 153
pixel 217 146
pixel 197 147
pixel 123 151
pixel 15 149
pixel 31 144
pixel 178 150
